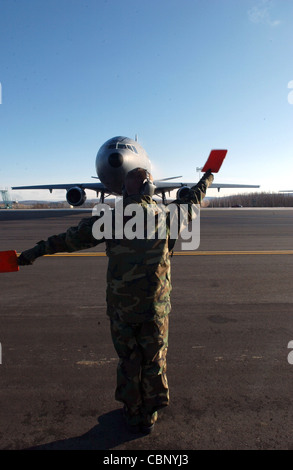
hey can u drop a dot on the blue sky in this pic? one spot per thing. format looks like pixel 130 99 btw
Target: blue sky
pixel 185 75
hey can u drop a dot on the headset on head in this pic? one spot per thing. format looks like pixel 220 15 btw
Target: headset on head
pixel 148 187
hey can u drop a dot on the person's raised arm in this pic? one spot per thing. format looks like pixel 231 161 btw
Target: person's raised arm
pixel 74 239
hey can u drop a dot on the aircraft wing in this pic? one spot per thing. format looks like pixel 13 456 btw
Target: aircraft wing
pixel 162 186
pixel 94 186
pixel 75 194
pixel 76 191
pixel 227 185
pixel 214 163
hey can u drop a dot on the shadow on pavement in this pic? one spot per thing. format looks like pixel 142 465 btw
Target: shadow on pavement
pixel 108 434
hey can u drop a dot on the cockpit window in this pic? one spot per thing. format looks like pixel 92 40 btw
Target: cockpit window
pixel 123 146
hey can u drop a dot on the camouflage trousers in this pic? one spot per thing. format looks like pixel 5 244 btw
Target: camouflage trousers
pixel 141 373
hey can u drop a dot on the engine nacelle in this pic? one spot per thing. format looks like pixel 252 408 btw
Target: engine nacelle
pixel 75 196
pixel 183 192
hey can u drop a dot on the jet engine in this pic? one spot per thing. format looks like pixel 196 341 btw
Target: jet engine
pixel 75 196
pixel 183 192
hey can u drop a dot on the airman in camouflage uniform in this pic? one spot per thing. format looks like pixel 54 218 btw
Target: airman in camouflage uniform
pixel 138 301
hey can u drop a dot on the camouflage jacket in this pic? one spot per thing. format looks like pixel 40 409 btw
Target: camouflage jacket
pixel 138 275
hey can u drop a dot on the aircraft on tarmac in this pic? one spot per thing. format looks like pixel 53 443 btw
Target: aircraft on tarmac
pixel 116 157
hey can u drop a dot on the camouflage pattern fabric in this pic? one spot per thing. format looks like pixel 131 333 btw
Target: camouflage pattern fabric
pixel 141 373
pixel 138 275
pixel 138 303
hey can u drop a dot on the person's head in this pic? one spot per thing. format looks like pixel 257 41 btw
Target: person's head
pixel 139 181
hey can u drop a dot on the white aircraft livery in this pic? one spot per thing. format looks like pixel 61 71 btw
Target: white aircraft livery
pixel 114 160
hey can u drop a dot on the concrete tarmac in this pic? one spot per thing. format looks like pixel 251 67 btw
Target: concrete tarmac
pixel 229 371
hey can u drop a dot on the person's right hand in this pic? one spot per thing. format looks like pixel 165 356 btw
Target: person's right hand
pixel 27 257
pixel 208 175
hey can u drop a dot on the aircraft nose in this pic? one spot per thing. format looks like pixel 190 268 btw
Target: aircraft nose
pixel 115 159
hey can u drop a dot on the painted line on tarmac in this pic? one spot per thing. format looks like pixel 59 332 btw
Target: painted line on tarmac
pixel 219 253
pixel 188 253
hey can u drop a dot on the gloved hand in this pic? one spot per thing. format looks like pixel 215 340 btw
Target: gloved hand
pixel 27 257
pixel 209 176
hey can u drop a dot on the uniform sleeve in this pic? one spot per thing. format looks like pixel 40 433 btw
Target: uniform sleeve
pixel 198 192
pixel 74 239
pixel 185 209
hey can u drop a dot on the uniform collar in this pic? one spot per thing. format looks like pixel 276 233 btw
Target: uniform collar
pixel 138 199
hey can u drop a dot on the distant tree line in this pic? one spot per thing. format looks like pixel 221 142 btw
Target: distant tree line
pixel 262 199
pixel 41 205
pixel 51 205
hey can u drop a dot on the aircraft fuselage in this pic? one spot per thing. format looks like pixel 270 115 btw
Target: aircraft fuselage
pixel 116 158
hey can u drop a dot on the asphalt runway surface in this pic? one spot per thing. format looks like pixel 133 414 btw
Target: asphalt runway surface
pixel 229 371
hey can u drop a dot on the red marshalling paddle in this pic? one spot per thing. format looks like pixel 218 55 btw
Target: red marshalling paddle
pixel 215 160
pixel 8 261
